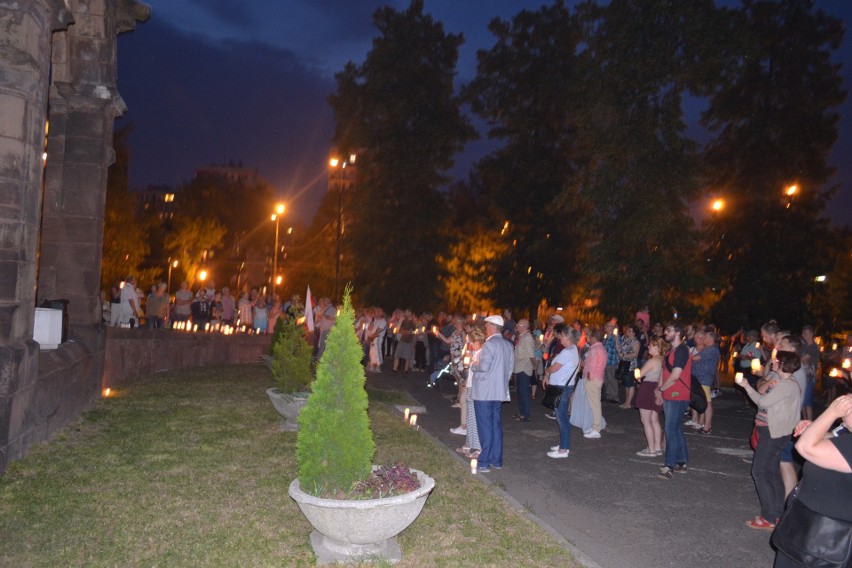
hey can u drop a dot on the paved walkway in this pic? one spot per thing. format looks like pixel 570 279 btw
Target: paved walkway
pixel 607 501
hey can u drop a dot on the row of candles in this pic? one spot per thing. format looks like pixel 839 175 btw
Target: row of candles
pixel 224 329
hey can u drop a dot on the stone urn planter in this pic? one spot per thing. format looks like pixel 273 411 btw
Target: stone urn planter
pixel 360 530
pixel 288 406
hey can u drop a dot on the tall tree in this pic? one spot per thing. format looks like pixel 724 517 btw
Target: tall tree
pixel 637 168
pixel 125 235
pixel 397 112
pixel 776 118
pixel 522 89
pixel 192 241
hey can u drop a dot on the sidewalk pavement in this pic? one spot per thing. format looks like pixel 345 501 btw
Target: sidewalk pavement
pixel 607 501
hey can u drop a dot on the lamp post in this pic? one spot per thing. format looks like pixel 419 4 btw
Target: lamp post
pixel 172 264
pixel 338 179
pixel 279 210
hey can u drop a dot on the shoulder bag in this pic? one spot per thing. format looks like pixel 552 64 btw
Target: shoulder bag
pixel 553 393
pixel 813 539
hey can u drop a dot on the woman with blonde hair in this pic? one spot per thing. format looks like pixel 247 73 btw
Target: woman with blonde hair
pixel 649 409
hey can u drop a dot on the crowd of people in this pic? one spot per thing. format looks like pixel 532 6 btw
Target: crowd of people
pixel 127 305
pixel 490 356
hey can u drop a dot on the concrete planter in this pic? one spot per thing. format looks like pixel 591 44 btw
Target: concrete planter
pixel 360 530
pixel 288 406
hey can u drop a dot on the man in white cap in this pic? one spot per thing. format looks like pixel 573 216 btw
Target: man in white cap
pixel 490 388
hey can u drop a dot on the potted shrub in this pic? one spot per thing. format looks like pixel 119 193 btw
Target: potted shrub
pixel 338 483
pixel 290 365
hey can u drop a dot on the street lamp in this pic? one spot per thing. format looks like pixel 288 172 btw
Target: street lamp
pixel 334 162
pixel 279 210
pixel 718 205
pixel 202 275
pixel 172 264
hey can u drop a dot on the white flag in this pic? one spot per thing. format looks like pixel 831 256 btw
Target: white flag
pixel 309 310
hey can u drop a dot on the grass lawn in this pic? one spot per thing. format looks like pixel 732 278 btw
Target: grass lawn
pixel 188 468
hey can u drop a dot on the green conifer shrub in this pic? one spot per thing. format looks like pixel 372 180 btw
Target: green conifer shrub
pixel 291 358
pixel 335 447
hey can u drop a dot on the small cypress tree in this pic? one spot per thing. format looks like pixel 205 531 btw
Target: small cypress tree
pixel 291 358
pixel 335 447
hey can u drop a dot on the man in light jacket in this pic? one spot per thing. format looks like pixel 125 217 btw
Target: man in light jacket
pixel 490 389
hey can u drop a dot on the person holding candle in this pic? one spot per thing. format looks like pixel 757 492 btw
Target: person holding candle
pixel 472 446
pixel 628 354
pixel 649 408
pixel 490 385
pixel 610 345
pixel 778 413
pixel 563 373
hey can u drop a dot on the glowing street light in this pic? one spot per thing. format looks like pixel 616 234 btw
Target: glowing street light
pixel 334 163
pixel 202 275
pixel 172 264
pixel 279 210
pixel 718 204
pixel 791 190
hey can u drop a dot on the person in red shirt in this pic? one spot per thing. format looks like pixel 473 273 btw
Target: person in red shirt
pixel 673 394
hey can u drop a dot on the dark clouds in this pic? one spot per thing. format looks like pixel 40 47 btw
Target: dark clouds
pixel 213 80
pixel 194 103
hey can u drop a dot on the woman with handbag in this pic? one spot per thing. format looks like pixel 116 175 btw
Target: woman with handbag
pixel 562 373
pixel 816 529
pixel 778 411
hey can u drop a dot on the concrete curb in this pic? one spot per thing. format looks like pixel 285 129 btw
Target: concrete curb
pixel 581 557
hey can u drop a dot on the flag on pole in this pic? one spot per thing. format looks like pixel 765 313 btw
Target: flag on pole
pixel 309 310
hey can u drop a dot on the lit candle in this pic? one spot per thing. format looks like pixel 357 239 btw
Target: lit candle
pixel 107 391
pixel 735 354
pixel 834 373
pixel 846 363
pixel 195 327
pixel 413 421
pixel 774 353
pixel 407 412
pixel 206 327
pixel 834 347
pixel 473 464
pixel 466 360
pixel 615 331
pixel 435 329
pixel 738 378
pixel 637 374
pixel 757 345
pixel 755 365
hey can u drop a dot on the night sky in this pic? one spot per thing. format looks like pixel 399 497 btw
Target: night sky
pixel 213 81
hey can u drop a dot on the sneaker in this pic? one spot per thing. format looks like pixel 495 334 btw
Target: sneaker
pixel 715 393
pixel 551 415
pixel 666 473
pixel 456 405
pixel 459 430
pixel 484 470
pixel 497 466
pixel 592 434
pixel 556 454
pixel 647 453
pixel 658 452
pixel 680 468
pixel 554 448
pixel 692 424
